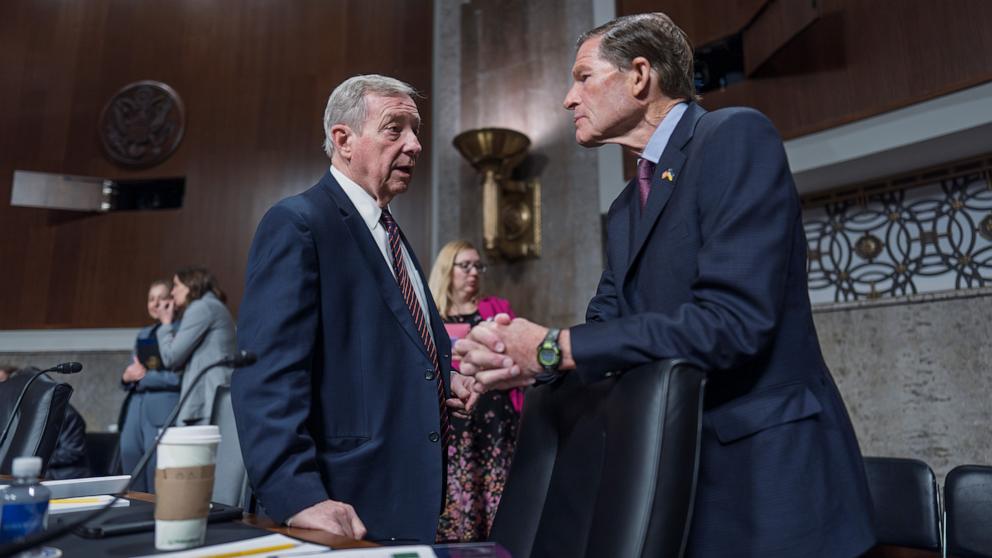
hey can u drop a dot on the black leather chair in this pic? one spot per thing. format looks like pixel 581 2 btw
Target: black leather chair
pixel 968 511
pixel 230 479
pixel 103 453
pixel 906 503
pixel 606 468
pixel 36 426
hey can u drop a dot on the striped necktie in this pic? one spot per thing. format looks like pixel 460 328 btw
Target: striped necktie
pixel 419 321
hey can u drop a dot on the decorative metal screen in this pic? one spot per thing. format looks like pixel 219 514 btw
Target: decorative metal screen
pixel 922 232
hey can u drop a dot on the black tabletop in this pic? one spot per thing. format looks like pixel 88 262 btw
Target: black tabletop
pixel 137 544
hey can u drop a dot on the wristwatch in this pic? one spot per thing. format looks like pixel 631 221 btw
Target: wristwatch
pixel 549 356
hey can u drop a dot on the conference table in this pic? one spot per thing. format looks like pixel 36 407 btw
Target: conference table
pixel 248 527
pixel 136 544
pixel 310 535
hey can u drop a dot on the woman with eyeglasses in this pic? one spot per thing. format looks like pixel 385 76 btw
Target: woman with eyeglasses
pixel 479 458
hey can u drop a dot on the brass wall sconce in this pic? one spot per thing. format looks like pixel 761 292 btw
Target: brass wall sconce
pixel 511 209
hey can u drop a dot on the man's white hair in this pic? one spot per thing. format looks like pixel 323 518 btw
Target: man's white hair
pixel 346 105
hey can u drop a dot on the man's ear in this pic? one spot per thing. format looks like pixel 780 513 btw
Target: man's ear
pixel 639 77
pixel 341 136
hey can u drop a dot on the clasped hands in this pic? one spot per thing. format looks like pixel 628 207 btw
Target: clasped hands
pixel 496 354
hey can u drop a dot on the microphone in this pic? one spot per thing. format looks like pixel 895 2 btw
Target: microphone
pixel 66 368
pixel 237 360
pixel 63 368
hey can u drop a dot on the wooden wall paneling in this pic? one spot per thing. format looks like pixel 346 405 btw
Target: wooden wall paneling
pixel 704 21
pixel 254 76
pixel 860 59
pixel 773 28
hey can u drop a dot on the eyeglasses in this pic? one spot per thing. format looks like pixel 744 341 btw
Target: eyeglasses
pixel 467 266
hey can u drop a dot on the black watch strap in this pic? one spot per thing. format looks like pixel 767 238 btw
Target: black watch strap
pixel 549 356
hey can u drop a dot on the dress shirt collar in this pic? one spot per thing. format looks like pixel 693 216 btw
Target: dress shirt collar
pixel 659 139
pixel 362 200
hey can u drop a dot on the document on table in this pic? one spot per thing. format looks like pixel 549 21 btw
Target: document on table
pixel 281 546
pixel 66 505
pixel 89 486
pixel 271 546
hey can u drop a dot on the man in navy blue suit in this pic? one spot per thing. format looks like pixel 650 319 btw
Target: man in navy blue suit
pixel 706 261
pixel 342 420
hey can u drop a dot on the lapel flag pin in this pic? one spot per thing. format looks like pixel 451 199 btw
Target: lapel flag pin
pixel 668 175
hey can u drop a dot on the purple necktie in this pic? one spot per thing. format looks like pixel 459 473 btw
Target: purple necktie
pixel 406 288
pixel 645 169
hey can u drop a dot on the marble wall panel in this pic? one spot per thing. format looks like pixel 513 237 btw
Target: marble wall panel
pixel 915 376
pixel 507 64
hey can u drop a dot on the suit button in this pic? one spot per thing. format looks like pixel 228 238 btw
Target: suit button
pixel 434 437
pixel 429 374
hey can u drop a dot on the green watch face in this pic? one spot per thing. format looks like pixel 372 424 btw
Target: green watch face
pixel 548 356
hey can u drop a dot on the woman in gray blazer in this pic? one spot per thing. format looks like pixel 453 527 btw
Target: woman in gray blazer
pixel 204 335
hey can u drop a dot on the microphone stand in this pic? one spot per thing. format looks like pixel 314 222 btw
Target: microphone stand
pixel 64 368
pixel 242 358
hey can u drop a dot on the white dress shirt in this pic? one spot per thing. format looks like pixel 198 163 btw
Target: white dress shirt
pixel 370 212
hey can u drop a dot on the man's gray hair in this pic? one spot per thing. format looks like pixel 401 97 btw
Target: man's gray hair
pixel 346 105
pixel 655 37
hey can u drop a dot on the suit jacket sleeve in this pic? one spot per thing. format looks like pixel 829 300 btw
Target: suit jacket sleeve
pixel 128 386
pixel 748 209
pixel 603 306
pixel 177 345
pixel 70 449
pixel 272 398
pixel 160 379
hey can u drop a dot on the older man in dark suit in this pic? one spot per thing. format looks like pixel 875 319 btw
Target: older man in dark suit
pixel 342 420
pixel 706 261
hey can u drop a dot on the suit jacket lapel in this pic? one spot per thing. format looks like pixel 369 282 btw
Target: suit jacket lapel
pixel 665 179
pixel 619 229
pixel 388 286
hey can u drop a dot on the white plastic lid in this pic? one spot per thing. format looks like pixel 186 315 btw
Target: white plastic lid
pixel 27 467
pixel 182 435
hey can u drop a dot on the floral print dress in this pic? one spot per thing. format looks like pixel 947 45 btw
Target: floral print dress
pixel 478 462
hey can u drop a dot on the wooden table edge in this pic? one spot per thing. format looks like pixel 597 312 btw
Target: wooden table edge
pixel 309 535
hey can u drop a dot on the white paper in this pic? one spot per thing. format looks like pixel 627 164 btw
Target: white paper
pixel 271 545
pixel 89 486
pixel 65 505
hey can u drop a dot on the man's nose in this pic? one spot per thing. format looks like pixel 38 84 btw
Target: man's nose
pixel 412 146
pixel 571 99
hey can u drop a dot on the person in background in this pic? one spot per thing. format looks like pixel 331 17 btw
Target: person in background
pixel 204 335
pixel 153 391
pixel 68 460
pixel 483 443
